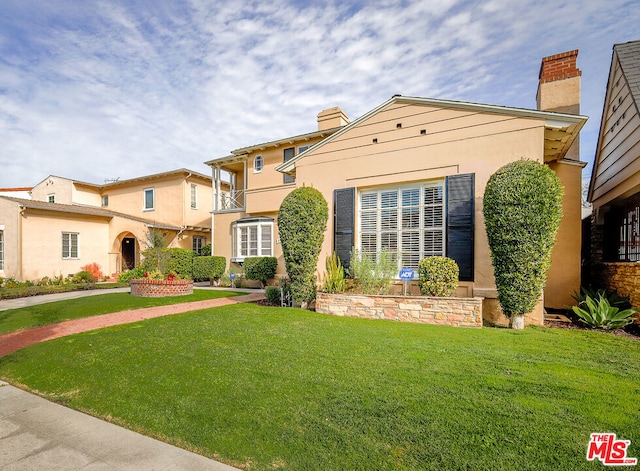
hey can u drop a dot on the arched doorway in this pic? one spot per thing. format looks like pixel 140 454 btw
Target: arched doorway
pixel 128 253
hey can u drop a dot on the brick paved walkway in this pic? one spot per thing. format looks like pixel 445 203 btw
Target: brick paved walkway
pixel 14 341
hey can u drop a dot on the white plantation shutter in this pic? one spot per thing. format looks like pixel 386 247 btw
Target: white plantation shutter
pixel 407 221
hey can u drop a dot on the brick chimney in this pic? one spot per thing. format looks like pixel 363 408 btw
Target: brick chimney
pixel 559 83
pixel 332 118
pixel 559 89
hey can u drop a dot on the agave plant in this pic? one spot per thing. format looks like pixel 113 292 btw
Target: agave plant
pixel 601 314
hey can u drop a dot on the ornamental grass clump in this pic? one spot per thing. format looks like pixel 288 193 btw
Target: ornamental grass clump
pixel 373 273
pixel 334 277
pixel 522 211
pixel 438 276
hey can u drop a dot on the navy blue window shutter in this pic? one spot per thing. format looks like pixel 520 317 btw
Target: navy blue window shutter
pixel 288 155
pixel 343 223
pixel 461 222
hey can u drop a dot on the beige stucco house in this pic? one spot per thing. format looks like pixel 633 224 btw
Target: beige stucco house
pixel 409 176
pixel 614 189
pixel 68 224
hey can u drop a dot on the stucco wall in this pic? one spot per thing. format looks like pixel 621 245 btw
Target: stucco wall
pixel 456 142
pixel 9 219
pixel 42 243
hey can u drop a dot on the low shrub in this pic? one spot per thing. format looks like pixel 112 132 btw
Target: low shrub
pixel 260 269
pixel 208 267
pixel 334 277
pixel 601 314
pixel 438 276
pixel 272 295
pixel 225 279
pixel 621 302
pixel 95 270
pixel 205 251
pixel 373 273
pixel 83 277
pixel 134 273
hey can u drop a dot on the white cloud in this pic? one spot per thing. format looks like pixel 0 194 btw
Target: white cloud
pixel 120 88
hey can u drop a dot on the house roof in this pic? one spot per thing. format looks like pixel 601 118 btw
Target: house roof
pixel 240 153
pixel 84 210
pixel 560 129
pixel 629 57
pixel 154 176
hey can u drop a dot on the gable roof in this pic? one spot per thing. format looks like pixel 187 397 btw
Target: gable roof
pixel 84 210
pixel 629 57
pixel 154 176
pixel 560 129
pixel 243 151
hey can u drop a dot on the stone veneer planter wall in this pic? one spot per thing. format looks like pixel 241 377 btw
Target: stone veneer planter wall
pixel 159 288
pixel 623 277
pixel 459 312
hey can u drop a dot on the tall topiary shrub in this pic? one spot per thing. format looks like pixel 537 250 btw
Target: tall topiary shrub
pixel 522 211
pixel 302 220
pixel 261 269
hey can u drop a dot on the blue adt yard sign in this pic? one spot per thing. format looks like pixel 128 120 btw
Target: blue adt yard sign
pixel 406 274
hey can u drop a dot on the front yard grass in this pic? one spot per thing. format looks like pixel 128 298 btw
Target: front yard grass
pixel 274 388
pixel 12 320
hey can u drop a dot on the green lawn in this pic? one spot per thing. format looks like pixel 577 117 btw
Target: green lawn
pixel 274 388
pixel 24 318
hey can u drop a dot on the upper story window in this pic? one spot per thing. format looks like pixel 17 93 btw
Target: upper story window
pixel 194 196
pixel 258 163
pixel 105 201
pixel 51 198
pixel 288 155
pixel 69 245
pixel 149 199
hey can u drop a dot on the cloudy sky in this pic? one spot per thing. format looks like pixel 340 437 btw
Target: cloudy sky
pixel 95 90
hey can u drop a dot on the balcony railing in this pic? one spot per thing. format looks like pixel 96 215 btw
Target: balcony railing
pixel 231 201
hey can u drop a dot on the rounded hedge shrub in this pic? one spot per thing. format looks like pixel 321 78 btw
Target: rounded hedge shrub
pixel 438 276
pixel 302 220
pixel 272 295
pixel 522 211
pixel 261 269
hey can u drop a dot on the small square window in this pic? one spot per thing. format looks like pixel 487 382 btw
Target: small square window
pixel 51 198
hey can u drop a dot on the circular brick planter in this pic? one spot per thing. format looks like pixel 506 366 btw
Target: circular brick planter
pixel 159 288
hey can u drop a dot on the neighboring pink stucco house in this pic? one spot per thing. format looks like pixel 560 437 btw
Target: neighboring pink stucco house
pixel 68 224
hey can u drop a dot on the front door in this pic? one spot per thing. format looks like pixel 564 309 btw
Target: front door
pixel 128 253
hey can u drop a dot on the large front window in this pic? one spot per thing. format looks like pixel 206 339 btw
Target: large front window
pixel 69 245
pixel 407 221
pixel 252 238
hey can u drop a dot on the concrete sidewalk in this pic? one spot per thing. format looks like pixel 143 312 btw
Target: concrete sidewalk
pixel 36 434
